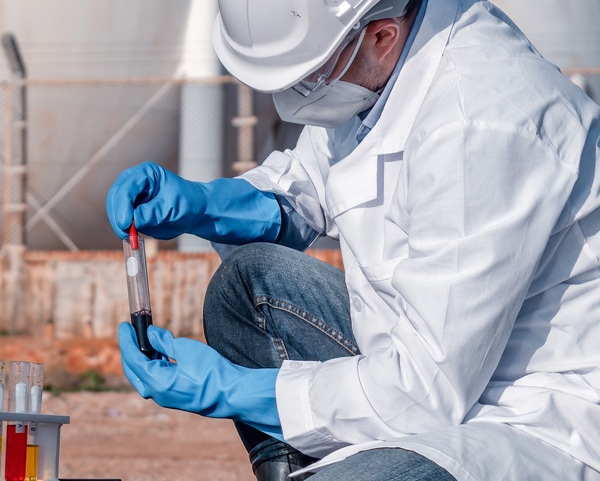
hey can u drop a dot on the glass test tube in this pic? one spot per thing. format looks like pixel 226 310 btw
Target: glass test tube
pixel 2 379
pixel 16 431
pixel 138 290
pixel 36 375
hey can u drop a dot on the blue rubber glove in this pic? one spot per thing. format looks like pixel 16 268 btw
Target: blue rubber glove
pixel 164 205
pixel 201 380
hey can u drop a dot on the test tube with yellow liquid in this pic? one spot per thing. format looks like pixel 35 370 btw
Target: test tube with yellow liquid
pixel 36 373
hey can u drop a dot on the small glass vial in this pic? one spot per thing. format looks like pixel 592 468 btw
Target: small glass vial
pixel 138 289
pixel 16 431
pixel 36 375
pixel 2 380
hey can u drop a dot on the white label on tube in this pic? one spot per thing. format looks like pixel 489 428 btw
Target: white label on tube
pixel 35 399
pixel 20 397
pixel 33 434
pixel 132 266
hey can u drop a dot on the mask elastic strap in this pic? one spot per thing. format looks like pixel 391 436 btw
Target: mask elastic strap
pixel 352 57
pixel 305 91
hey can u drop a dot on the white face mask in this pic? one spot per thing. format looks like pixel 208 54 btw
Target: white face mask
pixel 325 104
pixel 328 106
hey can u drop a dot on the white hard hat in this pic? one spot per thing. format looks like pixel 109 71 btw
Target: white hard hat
pixel 272 44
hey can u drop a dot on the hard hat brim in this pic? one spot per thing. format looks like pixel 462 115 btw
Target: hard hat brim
pixel 262 77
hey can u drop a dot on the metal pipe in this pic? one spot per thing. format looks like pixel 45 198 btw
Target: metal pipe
pixel 245 123
pixel 15 168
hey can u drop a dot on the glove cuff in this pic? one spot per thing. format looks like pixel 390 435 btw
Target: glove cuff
pixel 238 213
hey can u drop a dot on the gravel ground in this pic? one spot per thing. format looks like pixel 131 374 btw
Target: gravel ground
pixel 122 436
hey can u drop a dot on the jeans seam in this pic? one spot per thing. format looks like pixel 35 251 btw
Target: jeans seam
pixel 314 321
pixel 282 353
pixel 262 322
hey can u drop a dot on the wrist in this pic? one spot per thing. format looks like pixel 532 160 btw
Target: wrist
pixel 254 399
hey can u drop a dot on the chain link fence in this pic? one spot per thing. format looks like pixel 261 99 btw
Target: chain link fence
pixel 62 144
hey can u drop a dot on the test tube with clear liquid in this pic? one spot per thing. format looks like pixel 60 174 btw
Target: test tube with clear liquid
pixel 138 289
pixel 16 431
pixel 36 375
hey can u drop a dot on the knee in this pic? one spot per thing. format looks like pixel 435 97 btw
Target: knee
pixel 239 268
pixel 246 263
pixel 234 284
pixel 254 254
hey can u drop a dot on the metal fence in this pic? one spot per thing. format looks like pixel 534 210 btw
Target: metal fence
pixel 62 143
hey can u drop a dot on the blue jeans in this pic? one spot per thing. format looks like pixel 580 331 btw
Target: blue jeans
pixel 266 304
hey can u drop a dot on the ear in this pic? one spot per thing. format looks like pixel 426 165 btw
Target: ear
pixel 382 36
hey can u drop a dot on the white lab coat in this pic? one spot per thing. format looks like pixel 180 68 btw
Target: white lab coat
pixel 468 221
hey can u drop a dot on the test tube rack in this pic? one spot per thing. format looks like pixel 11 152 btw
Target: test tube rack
pixel 49 439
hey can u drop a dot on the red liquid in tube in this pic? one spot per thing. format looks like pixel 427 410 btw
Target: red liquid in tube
pixel 16 452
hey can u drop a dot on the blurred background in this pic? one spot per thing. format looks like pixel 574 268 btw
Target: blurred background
pixel 102 85
pixel 91 87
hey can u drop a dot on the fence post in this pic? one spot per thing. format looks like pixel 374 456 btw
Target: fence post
pixel 245 122
pixel 14 167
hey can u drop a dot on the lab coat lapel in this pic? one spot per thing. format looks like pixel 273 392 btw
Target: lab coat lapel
pixel 353 180
pixel 357 179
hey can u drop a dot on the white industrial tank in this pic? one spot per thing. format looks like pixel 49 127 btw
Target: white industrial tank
pixel 106 89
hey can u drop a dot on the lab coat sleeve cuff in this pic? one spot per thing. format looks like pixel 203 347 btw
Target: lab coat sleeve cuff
pixel 293 405
pixel 318 401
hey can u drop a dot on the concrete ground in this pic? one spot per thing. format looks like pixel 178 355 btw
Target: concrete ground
pixel 119 435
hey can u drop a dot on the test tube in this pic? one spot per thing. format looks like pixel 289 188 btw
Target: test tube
pixel 16 431
pixel 36 375
pixel 138 290
pixel 2 379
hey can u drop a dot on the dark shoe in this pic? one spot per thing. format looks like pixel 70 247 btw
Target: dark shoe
pixel 273 460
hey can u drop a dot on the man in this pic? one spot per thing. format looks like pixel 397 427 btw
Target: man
pixel 457 168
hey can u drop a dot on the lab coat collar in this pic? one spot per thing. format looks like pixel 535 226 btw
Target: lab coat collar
pixel 415 78
pixel 353 181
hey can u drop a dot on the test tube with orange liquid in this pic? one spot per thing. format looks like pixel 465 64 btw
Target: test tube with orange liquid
pixel 36 375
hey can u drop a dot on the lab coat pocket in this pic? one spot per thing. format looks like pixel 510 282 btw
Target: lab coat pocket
pixel 379 276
